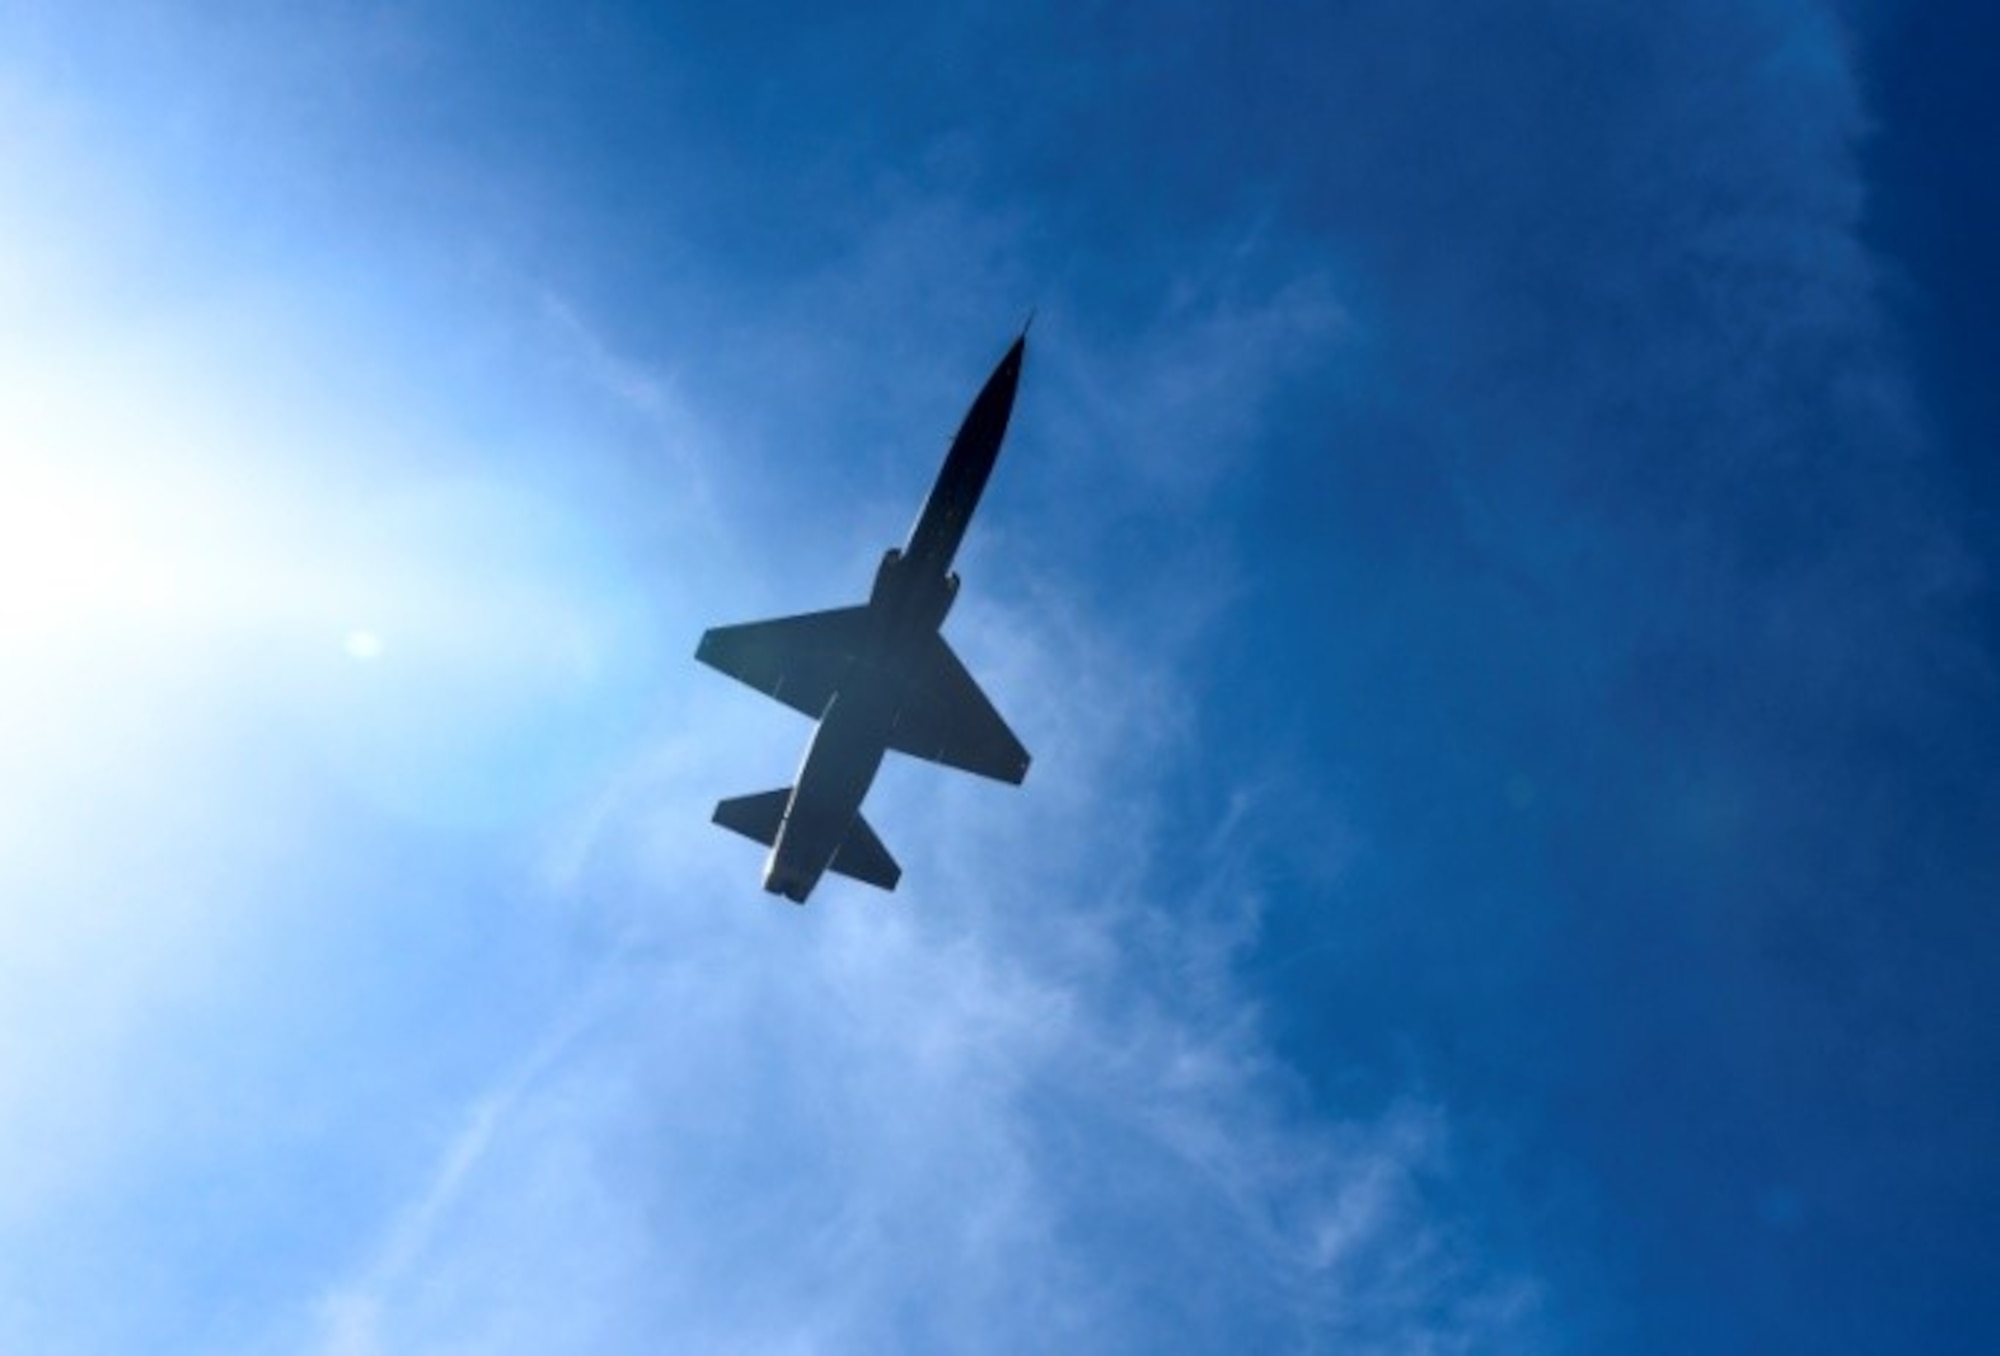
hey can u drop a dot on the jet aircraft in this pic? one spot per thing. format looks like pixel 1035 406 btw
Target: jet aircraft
pixel 876 677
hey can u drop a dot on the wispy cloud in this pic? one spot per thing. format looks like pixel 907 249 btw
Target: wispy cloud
pixel 1023 1103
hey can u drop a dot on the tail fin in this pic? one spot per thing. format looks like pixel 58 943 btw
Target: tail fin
pixel 755 816
pixel 862 857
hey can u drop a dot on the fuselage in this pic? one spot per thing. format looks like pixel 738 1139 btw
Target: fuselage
pixel 941 524
pixel 913 592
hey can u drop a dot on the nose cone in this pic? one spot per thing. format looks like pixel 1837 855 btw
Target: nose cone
pixel 1011 364
pixel 998 394
pixel 986 422
pixel 935 538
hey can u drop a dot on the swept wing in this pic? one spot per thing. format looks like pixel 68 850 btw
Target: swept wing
pixel 802 660
pixel 946 719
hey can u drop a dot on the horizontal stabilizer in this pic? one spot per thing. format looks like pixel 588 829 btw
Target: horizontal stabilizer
pixel 802 660
pixel 863 857
pixel 755 816
pixel 946 719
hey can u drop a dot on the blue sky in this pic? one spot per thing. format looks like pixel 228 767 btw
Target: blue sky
pixel 1493 561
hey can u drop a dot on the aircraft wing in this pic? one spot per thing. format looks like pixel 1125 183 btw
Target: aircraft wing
pixel 946 719
pixel 800 660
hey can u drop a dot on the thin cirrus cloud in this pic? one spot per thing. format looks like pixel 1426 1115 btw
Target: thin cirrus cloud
pixel 978 1114
pixel 918 1124
pixel 1467 563
pixel 1022 1101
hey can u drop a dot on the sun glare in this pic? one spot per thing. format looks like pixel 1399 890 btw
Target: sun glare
pixel 68 558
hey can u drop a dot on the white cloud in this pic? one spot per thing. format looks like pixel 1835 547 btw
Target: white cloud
pixel 1025 1103
pixel 1022 1104
pixel 891 1124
